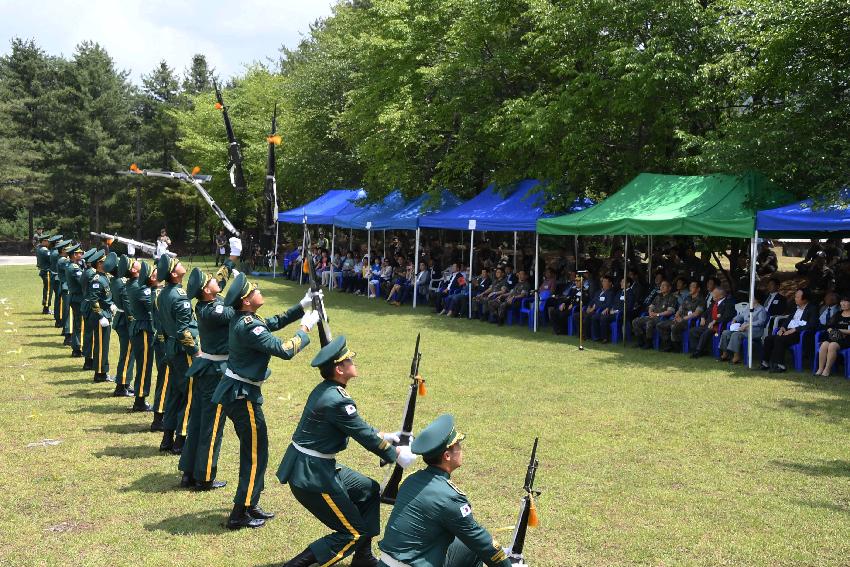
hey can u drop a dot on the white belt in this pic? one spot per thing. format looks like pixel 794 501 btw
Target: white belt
pixel 228 372
pixel 311 452
pixel 215 357
pixel 390 561
pixel 119 310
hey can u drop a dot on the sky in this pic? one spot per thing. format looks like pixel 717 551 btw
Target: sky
pixel 139 34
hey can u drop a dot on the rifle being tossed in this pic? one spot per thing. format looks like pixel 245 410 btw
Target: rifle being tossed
pixel 527 511
pixel 318 299
pixel 144 246
pixel 271 183
pixel 234 163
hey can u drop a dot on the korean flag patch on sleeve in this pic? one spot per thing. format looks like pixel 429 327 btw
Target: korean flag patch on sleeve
pixel 258 330
pixel 95 285
pixel 350 409
pixel 465 510
pixel 219 308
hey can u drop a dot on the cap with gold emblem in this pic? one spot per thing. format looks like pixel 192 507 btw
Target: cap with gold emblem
pixel 437 437
pixel 55 238
pixel 239 289
pixel 123 265
pixel 164 266
pixel 96 256
pixel 333 353
pixel 198 280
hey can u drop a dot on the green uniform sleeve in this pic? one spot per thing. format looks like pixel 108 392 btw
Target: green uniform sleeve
pixel 186 326
pixel 458 519
pixel 292 314
pixel 345 417
pixel 219 313
pixel 99 296
pixel 259 338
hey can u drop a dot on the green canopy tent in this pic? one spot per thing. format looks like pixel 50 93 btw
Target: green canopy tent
pixel 666 205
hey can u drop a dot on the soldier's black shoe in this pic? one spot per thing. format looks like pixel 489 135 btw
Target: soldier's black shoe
pixel 167 440
pixel 140 405
pixel 239 518
pixel 109 377
pixel 363 556
pixel 207 485
pixel 100 377
pixel 88 364
pixel 45 311
pixel 187 481
pixel 67 341
pixel 58 324
pixel 256 512
pixel 177 448
pixel 303 559
pixel 77 354
pixel 123 391
pixel 156 424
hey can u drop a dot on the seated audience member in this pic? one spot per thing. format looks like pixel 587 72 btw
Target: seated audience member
pixel 423 280
pixel 805 318
pixel 733 338
pixel 348 272
pixel 402 282
pixel 664 305
pixel 374 278
pixel 558 305
pixel 498 288
pixel 500 305
pixel 766 261
pixel 833 251
pixel 815 248
pixel 670 330
pixel 836 339
pixel 597 311
pixel 681 289
pixel 719 314
pixel 638 287
pixel 459 303
pixel 549 283
pixel 821 277
pixel 774 302
pixel 710 284
pixel 625 303
pixel 653 290
pixel 510 276
pixel 829 308
pixel 448 287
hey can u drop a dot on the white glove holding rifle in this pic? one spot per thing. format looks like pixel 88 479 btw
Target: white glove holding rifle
pixel 307 301
pixel 309 320
pixel 394 438
pixel 405 457
pixel 104 322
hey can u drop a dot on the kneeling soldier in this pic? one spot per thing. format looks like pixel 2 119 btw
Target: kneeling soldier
pixel 342 499
pixel 251 345
pixel 431 524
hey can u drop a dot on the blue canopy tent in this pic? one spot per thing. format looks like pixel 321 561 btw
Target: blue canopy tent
pixel 808 218
pixel 362 216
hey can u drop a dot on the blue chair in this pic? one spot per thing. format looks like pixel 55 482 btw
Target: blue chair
pixel 616 325
pixel 796 350
pixel 526 309
pixel 844 353
pixel 656 336
pixel 715 340
pixel 571 326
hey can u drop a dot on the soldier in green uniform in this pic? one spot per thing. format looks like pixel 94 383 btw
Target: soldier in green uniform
pixel 163 371
pixel 54 279
pixel 61 266
pixel 120 323
pixel 342 499
pixel 251 345
pixel 140 330
pixel 42 262
pixel 85 309
pixel 180 331
pixel 199 458
pixel 100 304
pixel 431 524
pixel 73 272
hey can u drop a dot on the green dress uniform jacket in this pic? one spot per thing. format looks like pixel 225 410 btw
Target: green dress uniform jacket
pixel 73 273
pixel 429 513
pixel 139 307
pixel 99 299
pixel 42 258
pixel 139 314
pixel 55 286
pixel 120 324
pixel 180 330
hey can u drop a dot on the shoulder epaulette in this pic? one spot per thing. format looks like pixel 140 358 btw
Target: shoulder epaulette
pixel 247 319
pixel 456 489
pixel 181 291
pixel 341 390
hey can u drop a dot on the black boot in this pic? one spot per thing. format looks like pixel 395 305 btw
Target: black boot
pixel 303 559
pixel 167 440
pixel 256 512
pixel 207 485
pixel 123 391
pixel 99 377
pixel 239 519
pixel 45 310
pixel 67 341
pixel 363 556
pixel 88 364
pixel 187 481
pixel 156 424
pixel 77 354
pixel 140 405
pixel 177 448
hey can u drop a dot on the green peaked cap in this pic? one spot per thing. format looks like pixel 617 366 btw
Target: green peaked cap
pixel 437 437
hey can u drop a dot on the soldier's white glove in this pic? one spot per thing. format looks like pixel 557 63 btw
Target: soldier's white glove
pixel 235 272
pixel 307 301
pixel 309 320
pixel 405 458
pixel 113 308
pixel 235 246
pixel 104 322
pixel 392 437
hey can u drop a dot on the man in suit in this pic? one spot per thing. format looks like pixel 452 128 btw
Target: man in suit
pixel 454 283
pixel 804 319
pixel 600 306
pixel 719 314
pixel 775 302
pixel 828 309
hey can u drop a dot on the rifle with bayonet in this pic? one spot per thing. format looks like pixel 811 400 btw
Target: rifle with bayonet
pixel 389 491
pixel 234 163
pixel 144 246
pixel 271 183
pixel 527 511
pixel 318 301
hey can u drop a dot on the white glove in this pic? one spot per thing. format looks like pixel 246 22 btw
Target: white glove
pixel 308 298
pixel 392 437
pixel 113 308
pixel 235 272
pixel 235 246
pixel 104 322
pixel 309 320
pixel 405 458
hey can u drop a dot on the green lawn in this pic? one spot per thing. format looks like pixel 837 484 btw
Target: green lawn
pixel 645 458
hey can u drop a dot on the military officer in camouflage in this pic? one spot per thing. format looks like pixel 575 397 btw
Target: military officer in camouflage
pixel 73 272
pixel 432 524
pixel 199 458
pixel 42 262
pixel 140 330
pixel 251 345
pixel 100 304
pixel 120 323
pixel 180 330
pixel 342 499
pixel 87 329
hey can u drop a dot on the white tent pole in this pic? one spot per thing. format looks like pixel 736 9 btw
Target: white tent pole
pixel 752 297
pixel 469 272
pixel 274 254
pixel 515 239
pixel 333 247
pixel 625 275
pixel 385 244
pixel 303 253
pixel 576 251
pixel 536 276
pixel 415 268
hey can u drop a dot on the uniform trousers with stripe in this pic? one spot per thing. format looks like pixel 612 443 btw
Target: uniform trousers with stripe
pixel 124 373
pixel 66 313
pixel 163 376
pixel 56 288
pixel 250 426
pixel 76 324
pixel 459 555
pixel 351 507
pixel 199 458
pixel 100 350
pixel 46 292
pixel 177 396
pixel 142 348
pixel 88 333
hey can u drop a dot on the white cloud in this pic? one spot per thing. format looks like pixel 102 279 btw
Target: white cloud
pixel 138 34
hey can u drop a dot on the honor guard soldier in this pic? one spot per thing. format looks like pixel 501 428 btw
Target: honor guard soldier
pixel 54 280
pixel 61 266
pixel 73 273
pixel 42 262
pixel 120 324
pixel 85 309
pixel 100 312
pixel 342 499
pixel 140 330
pixel 181 343
pixel 163 371
pixel 432 524
pixel 251 345
pixel 199 458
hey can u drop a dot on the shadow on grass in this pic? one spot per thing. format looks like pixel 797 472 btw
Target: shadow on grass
pixel 57 343
pixel 86 394
pixel 134 452
pixel 834 409
pixel 71 381
pixel 127 428
pixel 837 468
pixel 831 506
pixel 110 409
pixel 71 368
pixel 208 522
pixel 156 482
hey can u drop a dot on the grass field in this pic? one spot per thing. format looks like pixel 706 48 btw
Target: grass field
pixel 645 458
